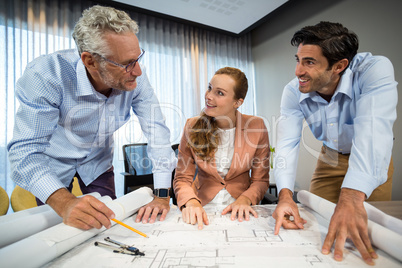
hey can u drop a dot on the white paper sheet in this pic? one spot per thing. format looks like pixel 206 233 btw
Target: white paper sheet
pixel 381 237
pixel 43 247
pixel 24 223
pixel 223 243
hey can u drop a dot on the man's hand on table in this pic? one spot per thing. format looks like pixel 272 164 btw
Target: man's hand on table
pixel 152 209
pixel 349 221
pixel 287 207
pixel 84 213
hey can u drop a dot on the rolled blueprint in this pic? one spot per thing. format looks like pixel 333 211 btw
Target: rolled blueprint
pixel 39 249
pixel 381 237
pixel 24 223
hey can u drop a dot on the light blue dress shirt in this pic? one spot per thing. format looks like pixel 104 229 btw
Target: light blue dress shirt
pixel 358 120
pixel 63 126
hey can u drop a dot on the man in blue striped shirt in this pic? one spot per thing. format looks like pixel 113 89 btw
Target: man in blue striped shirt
pixel 71 103
pixel 348 99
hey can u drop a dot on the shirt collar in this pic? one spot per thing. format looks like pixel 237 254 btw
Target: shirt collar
pixel 311 95
pixel 344 87
pixel 84 85
pixel 345 84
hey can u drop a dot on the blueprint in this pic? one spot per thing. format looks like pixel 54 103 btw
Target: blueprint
pixel 38 249
pixel 222 243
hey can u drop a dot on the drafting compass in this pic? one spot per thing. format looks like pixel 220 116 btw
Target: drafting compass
pixel 123 249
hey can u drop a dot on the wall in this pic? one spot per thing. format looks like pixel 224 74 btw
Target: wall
pixel 377 23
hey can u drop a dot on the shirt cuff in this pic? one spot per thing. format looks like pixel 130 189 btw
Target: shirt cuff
pixel 163 180
pixel 45 187
pixel 360 181
pixel 284 183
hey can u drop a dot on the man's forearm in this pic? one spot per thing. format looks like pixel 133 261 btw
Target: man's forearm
pixel 352 195
pixel 285 193
pixel 59 199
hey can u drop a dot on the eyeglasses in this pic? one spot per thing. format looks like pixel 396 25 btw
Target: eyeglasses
pixel 129 67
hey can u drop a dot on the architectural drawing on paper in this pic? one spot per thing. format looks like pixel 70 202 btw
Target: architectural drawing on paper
pixel 183 258
pixel 221 244
pixel 313 259
pixel 222 230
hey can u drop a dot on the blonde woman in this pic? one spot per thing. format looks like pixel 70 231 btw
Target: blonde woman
pixel 225 146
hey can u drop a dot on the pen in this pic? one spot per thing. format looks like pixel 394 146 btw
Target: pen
pixel 129 227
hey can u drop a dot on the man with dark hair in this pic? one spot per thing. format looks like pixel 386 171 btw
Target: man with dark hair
pixel 348 99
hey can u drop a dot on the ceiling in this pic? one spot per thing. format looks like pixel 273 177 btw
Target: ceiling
pixel 233 16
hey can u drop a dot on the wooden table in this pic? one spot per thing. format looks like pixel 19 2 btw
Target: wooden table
pixel 393 208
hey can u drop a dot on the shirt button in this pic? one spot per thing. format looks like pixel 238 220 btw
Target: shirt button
pixel 331 124
pixel 335 140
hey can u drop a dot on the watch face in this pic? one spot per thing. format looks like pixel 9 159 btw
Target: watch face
pixel 162 192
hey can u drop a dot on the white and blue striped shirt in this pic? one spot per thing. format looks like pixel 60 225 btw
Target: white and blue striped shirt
pixel 64 126
pixel 357 120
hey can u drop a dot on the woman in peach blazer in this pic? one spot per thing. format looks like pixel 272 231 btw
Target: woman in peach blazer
pixel 223 172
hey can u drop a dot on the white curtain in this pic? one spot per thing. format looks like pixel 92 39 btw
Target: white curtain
pixel 28 29
pixel 180 60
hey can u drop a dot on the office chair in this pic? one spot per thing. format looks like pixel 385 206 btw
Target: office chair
pixel 22 199
pixel 271 196
pixel 138 168
pixel 4 201
pixel 76 190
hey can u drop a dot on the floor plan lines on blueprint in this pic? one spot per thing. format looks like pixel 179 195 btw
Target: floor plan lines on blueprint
pixel 221 244
pixel 233 236
pixel 179 258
